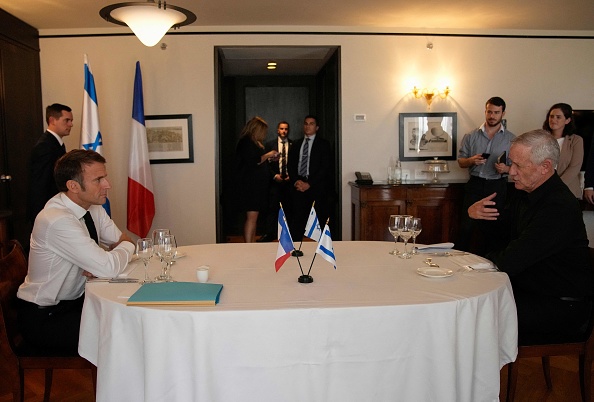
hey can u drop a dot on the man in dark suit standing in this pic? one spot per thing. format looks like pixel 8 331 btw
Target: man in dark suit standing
pixel 281 185
pixel 49 148
pixel 310 173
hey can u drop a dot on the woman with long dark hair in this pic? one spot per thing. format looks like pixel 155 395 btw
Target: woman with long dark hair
pixel 559 122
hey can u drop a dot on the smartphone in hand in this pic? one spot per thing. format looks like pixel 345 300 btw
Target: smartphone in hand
pixel 502 158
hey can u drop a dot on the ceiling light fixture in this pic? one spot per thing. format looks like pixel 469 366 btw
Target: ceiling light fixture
pixel 149 21
pixel 271 65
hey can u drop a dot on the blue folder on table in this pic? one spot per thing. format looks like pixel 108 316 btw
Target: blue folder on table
pixel 176 293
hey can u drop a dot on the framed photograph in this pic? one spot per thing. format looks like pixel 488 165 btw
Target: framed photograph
pixel 427 135
pixel 170 138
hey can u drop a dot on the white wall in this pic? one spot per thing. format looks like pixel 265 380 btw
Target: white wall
pixel 378 73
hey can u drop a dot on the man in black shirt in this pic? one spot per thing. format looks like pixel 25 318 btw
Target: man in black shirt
pixel 545 247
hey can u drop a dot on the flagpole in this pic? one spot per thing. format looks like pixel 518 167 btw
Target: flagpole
pixel 303 278
pixel 315 254
pixel 300 244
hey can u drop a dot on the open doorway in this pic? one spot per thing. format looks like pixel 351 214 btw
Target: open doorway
pixel 306 81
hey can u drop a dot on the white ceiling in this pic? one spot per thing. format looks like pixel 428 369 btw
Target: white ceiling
pixel 518 17
pixel 568 15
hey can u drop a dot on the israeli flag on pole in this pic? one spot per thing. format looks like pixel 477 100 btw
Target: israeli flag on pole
pixel 312 228
pixel 325 248
pixel 90 135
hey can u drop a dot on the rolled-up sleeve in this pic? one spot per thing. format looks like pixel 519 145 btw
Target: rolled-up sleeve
pixel 68 238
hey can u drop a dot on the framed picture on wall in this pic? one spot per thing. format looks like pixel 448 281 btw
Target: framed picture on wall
pixel 427 135
pixel 170 138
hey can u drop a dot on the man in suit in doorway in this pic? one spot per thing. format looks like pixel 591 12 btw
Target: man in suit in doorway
pixel 48 149
pixel 280 188
pixel 310 172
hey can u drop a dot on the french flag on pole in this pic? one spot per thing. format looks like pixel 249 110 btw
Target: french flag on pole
pixel 90 135
pixel 141 201
pixel 285 242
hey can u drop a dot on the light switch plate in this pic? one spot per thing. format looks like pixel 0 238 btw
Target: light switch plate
pixel 360 117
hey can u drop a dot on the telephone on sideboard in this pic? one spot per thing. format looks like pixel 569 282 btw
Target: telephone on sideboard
pixel 363 178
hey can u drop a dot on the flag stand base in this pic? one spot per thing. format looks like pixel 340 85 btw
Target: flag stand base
pixel 305 279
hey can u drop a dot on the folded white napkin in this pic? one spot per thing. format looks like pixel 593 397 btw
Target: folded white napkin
pixel 473 261
pixel 436 246
pixel 481 265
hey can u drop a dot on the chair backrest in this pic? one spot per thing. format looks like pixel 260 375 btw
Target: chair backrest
pixel 13 269
pixel 590 340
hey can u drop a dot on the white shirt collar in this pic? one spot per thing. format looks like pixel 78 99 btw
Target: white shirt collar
pixel 78 211
pixel 501 128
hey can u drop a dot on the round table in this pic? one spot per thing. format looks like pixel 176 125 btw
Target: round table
pixel 373 329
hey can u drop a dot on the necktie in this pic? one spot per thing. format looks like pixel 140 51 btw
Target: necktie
pixel 304 157
pixel 64 148
pixel 284 160
pixel 91 227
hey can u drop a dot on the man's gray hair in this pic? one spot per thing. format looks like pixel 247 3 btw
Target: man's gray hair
pixel 542 146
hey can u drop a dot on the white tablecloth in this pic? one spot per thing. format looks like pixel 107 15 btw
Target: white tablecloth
pixel 371 330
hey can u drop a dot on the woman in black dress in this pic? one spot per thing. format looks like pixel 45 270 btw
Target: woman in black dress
pixel 253 173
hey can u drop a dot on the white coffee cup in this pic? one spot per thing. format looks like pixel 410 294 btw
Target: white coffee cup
pixel 202 273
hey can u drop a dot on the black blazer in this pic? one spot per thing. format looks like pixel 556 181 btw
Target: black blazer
pixel 42 185
pixel 272 145
pixel 589 178
pixel 320 165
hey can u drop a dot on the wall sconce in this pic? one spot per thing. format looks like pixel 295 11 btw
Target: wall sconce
pixel 430 95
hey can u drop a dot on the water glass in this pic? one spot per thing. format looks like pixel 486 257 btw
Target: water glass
pixel 168 250
pixel 393 229
pixel 158 235
pixel 417 227
pixel 144 250
pixel 405 233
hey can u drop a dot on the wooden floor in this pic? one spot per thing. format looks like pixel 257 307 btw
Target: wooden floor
pixel 76 386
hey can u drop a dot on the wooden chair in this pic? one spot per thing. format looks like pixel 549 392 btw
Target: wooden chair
pixel 13 269
pixel 585 351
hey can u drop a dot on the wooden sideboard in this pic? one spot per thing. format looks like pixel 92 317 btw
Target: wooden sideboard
pixel 437 204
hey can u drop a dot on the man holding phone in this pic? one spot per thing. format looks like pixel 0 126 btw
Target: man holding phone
pixel 484 152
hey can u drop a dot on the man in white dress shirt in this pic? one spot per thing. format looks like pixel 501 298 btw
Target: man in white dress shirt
pixel 65 251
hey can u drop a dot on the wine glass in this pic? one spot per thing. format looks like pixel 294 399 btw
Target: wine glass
pixel 416 230
pixel 405 233
pixel 144 250
pixel 393 228
pixel 158 235
pixel 168 249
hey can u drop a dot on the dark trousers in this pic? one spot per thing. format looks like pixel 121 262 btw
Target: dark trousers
pixel 53 330
pixel 475 235
pixel 543 319
pixel 279 193
pixel 302 202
